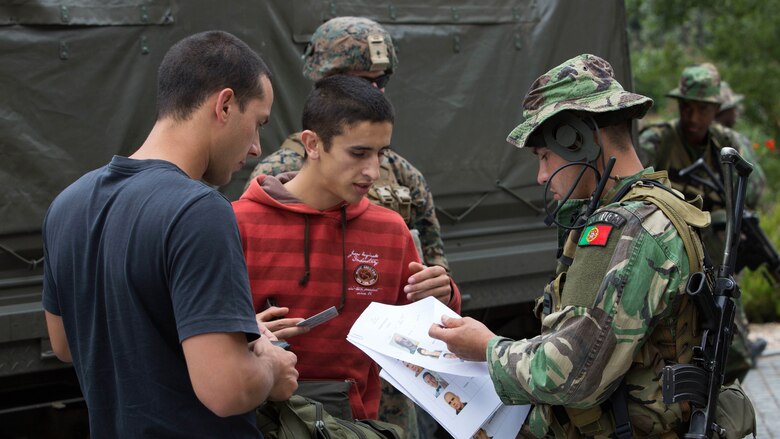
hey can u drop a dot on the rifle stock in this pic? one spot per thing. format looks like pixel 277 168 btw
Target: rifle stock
pixel 712 292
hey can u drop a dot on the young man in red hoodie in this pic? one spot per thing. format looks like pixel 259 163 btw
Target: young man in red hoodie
pixel 312 240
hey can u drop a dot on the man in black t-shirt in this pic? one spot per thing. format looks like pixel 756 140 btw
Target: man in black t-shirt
pixel 145 285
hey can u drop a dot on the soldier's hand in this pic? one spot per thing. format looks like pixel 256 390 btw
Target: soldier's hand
pixel 466 337
pixel 282 364
pixel 428 281
pixel 282 328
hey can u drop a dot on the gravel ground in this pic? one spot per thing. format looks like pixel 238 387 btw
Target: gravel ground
pixel 769 332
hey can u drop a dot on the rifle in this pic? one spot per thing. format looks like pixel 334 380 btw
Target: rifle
pixel 713 292
pixel 756 249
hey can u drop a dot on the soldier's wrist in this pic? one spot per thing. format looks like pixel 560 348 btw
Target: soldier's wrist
pixel 491 344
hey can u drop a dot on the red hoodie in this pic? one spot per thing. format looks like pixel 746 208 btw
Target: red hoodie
pixel 309 259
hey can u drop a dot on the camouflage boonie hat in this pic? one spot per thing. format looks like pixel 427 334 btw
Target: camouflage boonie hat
pixel 342 44
pixel 728 99
pixel 698 83
pixel 583 83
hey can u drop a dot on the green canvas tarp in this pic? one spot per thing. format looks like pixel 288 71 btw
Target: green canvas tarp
pixel 77 85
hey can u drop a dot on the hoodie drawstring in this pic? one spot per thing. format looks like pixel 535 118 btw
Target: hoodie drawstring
pixel 343 257
pixel 306 269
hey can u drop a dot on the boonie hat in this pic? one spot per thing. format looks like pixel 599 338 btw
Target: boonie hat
pixel 349 43
pixel 699 83
pixel 583 83
pixel 728 99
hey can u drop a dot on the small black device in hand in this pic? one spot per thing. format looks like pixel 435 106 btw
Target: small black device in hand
pixel 282 344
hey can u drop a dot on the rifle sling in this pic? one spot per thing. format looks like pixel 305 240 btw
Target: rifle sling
pixel 619 401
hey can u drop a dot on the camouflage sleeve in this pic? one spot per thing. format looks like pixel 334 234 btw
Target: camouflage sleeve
pixel 649 143
pixel 757 179
pixel 612 295
pixel 283 160
pixel 423 212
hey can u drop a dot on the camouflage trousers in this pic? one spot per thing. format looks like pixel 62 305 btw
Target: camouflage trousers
pixel 396 408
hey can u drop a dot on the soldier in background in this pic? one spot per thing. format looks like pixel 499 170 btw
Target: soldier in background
pixel 617 313
pixel 677 144
pixel 341 46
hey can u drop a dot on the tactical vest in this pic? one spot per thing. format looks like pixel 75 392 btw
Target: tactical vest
pixel 386 192
pixel 673 343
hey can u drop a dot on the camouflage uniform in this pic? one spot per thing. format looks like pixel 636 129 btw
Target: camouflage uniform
pixel 617 310
pixel 283 160
pixel 350 44
pixel 663 146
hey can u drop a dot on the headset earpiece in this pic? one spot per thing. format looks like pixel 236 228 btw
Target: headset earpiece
pixel 570 137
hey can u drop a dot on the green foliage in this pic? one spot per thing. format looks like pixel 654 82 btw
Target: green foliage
pixel 745 38
pixel 739 36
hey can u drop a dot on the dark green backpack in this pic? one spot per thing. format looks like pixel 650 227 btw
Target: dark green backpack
pixel 300 418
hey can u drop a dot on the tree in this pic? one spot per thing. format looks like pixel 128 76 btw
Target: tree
pixel 741 37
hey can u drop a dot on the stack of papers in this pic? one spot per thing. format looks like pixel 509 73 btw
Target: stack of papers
pixel 458 394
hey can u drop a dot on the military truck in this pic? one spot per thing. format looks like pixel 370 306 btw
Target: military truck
pixel 77 85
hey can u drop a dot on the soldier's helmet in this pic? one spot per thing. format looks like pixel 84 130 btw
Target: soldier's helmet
pixel 699 83
pixel 349 43
pixel 728 99
pixel 585 83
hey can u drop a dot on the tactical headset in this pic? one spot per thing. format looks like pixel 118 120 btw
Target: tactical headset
pixel 571 137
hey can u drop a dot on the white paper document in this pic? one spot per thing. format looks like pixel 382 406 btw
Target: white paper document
pixel 458 394
pixel 401 332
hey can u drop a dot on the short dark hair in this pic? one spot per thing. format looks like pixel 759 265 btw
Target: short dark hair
pixel 339 101
pixel 430 374
pixel 620 135
pixel 202 64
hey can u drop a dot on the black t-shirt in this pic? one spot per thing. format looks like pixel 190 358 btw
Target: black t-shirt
pixel 139 257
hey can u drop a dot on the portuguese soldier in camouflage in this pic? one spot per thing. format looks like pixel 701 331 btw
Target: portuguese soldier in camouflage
pixel 617 312
pixel 677 144
pixel 359 46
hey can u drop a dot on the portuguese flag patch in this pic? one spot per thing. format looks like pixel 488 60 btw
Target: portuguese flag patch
pixel 596 234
